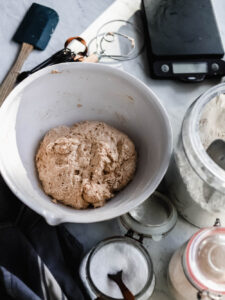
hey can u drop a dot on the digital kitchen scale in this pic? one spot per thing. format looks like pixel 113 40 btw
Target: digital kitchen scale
pixel 183 39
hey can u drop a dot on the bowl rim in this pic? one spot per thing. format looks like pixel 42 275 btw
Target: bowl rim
pixel 54 218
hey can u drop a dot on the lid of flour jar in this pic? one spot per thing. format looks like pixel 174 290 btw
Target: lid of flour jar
pixel 113 255
pixel 204 260
pixel 153 218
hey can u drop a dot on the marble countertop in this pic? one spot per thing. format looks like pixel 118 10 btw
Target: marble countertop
pixel 83 18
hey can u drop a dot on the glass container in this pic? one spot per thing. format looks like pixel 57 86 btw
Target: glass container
pixel 197 269
pixel 152 219
pixel 112 255
pixel 195 182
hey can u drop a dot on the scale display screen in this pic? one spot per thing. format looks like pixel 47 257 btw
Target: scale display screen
pixel 190 68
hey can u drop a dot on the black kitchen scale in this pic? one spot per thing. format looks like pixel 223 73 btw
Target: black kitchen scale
pixel 183 39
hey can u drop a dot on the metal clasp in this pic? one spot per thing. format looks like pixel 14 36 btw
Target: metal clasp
pixel 130 233
pixel 206 295
pixel 217 223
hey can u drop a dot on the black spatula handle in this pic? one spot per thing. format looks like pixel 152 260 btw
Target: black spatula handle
pixel 64 55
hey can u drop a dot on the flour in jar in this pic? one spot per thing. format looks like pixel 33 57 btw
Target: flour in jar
pixel 212 122
pixel 191 188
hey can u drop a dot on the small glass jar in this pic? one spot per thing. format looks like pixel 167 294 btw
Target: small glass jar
pixel 195 182
pixel 197 269
pixel 112 255
pixel 127 252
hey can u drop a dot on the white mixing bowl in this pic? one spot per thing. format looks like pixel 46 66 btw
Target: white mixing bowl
pixel 68 93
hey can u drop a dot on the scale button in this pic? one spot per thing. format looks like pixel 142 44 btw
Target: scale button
pixel 165 68
pixel 215 67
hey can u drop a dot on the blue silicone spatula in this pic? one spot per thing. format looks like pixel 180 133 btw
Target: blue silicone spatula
pixel 34 31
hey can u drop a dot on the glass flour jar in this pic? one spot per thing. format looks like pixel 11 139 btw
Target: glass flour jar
pixel 197 269
pixel 195 182
pixel 127 253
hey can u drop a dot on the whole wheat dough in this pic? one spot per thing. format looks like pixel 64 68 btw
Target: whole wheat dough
pixel 85 164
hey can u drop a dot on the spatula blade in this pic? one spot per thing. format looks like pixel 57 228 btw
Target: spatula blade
pixel 37 26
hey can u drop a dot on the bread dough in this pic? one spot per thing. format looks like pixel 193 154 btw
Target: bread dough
pixel 85 164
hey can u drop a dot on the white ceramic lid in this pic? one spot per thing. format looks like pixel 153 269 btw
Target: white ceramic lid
pixel 204 260
pixel 153 218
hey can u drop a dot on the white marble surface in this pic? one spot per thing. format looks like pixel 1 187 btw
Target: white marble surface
pixel 83 18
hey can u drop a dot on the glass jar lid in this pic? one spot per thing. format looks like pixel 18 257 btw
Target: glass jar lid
pixel 204 260
pixel 113 255
pixel 153 218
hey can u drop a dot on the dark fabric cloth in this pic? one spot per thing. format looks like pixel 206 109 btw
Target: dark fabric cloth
pixel 25 239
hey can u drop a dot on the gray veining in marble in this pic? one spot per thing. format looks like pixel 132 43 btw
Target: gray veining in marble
pixel 83 18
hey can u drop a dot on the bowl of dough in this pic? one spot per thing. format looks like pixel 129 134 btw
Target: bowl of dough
pixel 83 142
